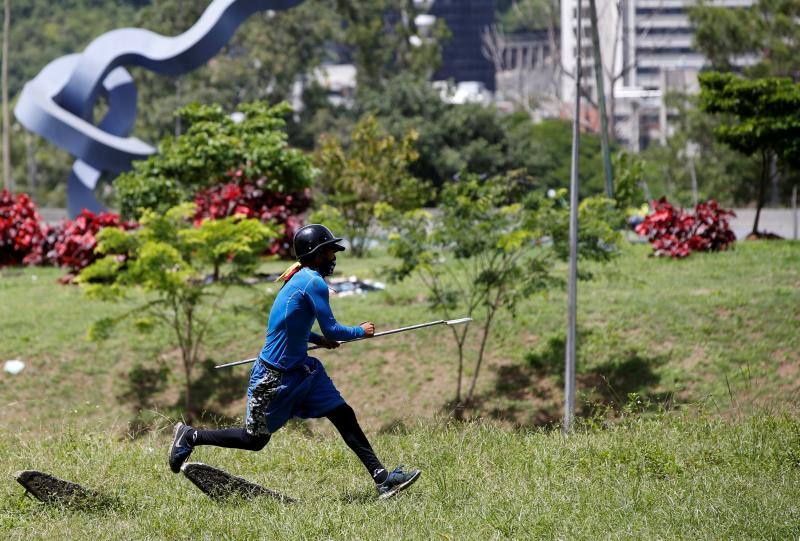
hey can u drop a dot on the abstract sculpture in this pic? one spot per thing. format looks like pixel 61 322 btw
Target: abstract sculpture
pixel 58 103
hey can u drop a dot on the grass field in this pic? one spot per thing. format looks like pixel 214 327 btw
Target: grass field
pixel 676 476
pixel 713 339
pixel 688 330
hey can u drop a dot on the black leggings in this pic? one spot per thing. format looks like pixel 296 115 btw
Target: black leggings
pixel 343 418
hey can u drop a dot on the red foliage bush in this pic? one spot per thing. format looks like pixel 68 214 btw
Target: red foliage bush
pixel 22 232
pixel 674 232
pixel 72 243
pixel 241 196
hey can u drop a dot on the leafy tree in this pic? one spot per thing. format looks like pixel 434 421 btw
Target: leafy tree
pixel 212 146
pixel 525 15
pixel 767 30
pixel 763 119
pixel 266 56
pixel 482 253
pixel 477 139
pixel 692 149
pixel 379 33
pixel 268 53
pixel 169 260
pixel 373 172
pixel 628 191
pixel 543 150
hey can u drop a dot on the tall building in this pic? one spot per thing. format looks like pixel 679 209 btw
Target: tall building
pixel 462 56
pixel 647 50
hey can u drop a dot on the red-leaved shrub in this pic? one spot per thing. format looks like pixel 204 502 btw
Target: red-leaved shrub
pixel 242 196
pixel 22 232
pixel 72 243
pixel 674 232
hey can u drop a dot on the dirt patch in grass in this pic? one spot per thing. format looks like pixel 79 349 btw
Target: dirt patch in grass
pixel 701 292
pixel 788 368
pixel 694 359
pixel 395 381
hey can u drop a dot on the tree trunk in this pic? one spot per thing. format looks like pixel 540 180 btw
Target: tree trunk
pixel 775 182
pixel 458 412
pixel 7 181
pixel 481 352
pixel 612 114
pixel 188 404
pixel 762 189
pixel 189 360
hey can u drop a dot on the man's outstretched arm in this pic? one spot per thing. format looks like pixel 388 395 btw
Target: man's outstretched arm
pixel 331 329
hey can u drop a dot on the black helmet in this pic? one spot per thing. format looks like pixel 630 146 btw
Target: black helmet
pixel 310 238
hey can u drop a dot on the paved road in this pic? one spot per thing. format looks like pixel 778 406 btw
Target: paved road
pixel 778 221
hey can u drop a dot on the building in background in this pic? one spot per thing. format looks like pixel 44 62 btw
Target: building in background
pixel 647 50
pixel 462 60
pixel 526 71
pixel 462 57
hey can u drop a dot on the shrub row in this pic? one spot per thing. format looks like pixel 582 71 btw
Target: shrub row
pixel 26 240
pixel 255 200
pixel 675 233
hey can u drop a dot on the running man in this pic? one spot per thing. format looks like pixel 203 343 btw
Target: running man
pixel 285 382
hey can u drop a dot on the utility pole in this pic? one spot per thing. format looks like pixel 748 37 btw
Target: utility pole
pixel 178 82
pixel 601 100
pixel 7 181
pixel 572 304
pixel 794 212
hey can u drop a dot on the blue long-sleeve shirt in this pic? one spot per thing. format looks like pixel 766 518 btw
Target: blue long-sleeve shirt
pixel 302 299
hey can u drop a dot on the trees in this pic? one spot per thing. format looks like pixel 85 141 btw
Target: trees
pixel 370 175
pixel 212 146
pixel 478 139
pixel 451 138
pixel 380 34
pixel 170 259
pixel 266 56
pixel 692 150
pixel 765 118
pixel 762 37
pixel 542 150
pixel 483 252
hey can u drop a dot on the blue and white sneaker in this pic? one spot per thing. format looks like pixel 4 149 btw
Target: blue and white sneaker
pixel 181 448
pixel 397 481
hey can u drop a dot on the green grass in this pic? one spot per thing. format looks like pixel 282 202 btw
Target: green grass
pixel 663 477
pixel 719 330
pixel 687 330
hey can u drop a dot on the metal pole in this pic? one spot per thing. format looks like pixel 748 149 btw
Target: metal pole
pixel 7 180
pixel 569 369
pixel 376 335
pixel 794 212
pixel 601 100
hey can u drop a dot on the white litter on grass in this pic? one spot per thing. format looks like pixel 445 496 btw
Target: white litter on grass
pixel 13 366
pixel 344 287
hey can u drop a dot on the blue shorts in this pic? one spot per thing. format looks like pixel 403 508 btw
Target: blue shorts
pixel 274 397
